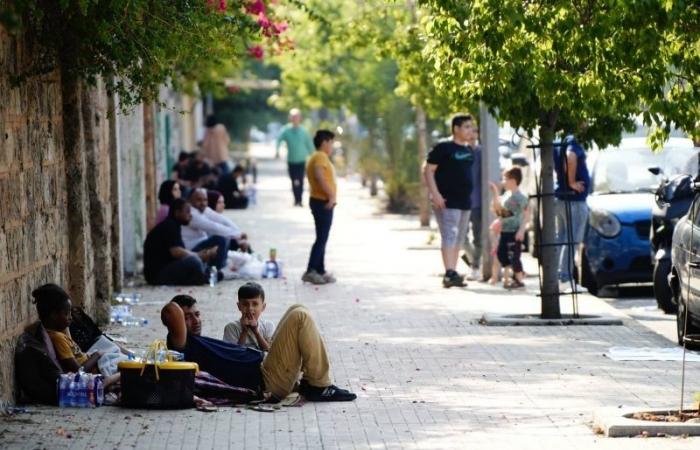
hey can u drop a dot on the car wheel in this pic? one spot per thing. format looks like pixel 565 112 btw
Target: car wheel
pixel 681 328
pixel 662 291
pixel 587 278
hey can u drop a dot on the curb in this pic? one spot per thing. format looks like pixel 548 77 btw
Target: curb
pixel 529 320
pixel 613 422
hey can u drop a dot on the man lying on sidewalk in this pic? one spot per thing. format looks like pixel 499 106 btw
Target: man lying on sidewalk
pixel 297 347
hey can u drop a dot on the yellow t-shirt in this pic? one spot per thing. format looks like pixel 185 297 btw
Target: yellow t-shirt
pixel 66 347
pixel 320 159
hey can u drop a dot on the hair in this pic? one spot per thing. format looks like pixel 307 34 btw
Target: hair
pixel 322 136
pixel 176 205
pixel 514 173
pixel 251 290
pixel 294 112
pixel 183 156
pixel 238 168
pixel 212 198
pixel 211 121
pixel 165 193
pixel 196 190
pixel 185 301
pixel 49 298
pixel 459 119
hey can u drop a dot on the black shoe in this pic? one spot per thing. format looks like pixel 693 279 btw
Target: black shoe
pixel 453 280
pixel 330 393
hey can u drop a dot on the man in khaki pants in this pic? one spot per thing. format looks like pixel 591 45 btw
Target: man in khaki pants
pixel 297 347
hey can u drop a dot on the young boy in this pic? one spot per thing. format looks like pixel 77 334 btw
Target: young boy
pixel 510 208
pixel 249 331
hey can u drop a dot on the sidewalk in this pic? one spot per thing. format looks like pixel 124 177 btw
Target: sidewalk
pixel 426 374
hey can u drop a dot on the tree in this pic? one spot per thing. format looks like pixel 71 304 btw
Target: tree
pixel 552 65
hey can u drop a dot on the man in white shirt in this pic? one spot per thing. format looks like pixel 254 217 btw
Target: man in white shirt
pixel 209 228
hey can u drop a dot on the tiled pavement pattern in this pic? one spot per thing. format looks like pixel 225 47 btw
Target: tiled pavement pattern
pixel 427 375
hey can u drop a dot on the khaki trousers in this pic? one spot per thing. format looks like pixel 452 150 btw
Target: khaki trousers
pixel 296 347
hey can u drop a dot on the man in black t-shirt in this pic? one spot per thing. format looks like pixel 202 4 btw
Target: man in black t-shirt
pixel 448 175
pixel 165 258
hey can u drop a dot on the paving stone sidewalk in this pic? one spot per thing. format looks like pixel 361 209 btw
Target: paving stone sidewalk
pixel 426 373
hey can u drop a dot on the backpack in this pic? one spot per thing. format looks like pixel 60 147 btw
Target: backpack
pixel 36 366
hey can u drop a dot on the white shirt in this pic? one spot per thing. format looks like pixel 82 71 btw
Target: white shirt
pixel 232 333
pixel 206 224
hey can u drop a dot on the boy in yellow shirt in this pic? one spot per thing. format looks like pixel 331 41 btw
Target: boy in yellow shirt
pixel 321 176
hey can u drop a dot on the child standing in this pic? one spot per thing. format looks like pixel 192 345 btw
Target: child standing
pixel 510 208
pixel 249 331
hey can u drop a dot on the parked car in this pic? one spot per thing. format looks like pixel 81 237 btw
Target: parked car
pixel 671 202
pixel 685 273
pixel 615 248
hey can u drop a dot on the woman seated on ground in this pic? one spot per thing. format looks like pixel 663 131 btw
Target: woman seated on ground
pixel 169 191
pixel 234 198
pixel 216 201
pixel 54 307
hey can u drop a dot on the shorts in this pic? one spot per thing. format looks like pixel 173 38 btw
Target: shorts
pixel 454 225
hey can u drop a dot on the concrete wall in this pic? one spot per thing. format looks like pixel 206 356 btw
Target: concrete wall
pixel 132 199
pixel 33 228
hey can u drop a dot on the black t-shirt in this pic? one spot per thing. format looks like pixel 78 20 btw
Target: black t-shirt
pixel 454 173
pixel 156 249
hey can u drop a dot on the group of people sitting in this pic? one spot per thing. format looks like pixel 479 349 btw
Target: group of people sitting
pixel 270 362
pixel 190 238
pixel 209 168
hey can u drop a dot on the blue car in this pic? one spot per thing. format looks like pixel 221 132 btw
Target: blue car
pixel 616 247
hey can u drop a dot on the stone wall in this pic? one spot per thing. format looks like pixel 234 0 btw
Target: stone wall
pixel 55 213
pixel 33 226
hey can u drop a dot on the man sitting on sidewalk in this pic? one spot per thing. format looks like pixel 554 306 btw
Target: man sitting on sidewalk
pixel 209 228
pixel 297 347
pixel 165 258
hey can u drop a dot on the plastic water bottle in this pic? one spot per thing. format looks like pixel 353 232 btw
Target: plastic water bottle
pixel 175 356
pixel 213 277
pixel 72 399
pixel 99 391
pixel 63 385
pixel 271 268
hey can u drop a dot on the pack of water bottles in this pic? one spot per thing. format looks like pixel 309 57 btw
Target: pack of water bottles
pixel 80 390
pixel 273 266
pixel 122 315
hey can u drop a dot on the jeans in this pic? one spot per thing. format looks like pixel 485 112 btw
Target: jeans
pixel 569 231
pixel 296 347
pixel 187 271
pixel 473 247
pixel 221 252
pixel 509 251
pixel 323 219
pixel 296 173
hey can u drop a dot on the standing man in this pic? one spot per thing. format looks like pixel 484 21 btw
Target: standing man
pixel 448 174
pixel 472 249
pixel 573 184
pixel 299 147
pixel 322 200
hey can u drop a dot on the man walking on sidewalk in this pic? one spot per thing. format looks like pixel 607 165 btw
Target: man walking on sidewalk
pixel 448 174
pixel 322 200
pixel 299 147
pixel 472 248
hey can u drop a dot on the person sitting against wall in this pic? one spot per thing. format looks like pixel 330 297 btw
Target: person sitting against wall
pixel 169 191
pixel 234 198
pixel 166 260
pixel 215 201
pixel 180 169
pixel 209 228
pixel 199 173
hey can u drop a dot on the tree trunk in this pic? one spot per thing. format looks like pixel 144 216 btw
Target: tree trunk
pixel 149 164
pixel 548 252
pixel 422 141
pixel 79 257
pixel 96 151
pixel 115 230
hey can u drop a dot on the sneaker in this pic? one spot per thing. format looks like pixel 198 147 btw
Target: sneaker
pixel 330 393
pixel 329 277
pixel 565 288
pixel 474 275
pixel 313 277
pixel 453 280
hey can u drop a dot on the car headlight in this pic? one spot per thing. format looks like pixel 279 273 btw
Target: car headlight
pixel 604 222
